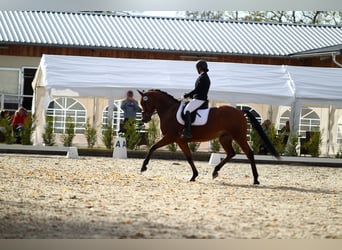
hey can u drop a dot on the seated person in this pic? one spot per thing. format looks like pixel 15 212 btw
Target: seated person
pixel 18 122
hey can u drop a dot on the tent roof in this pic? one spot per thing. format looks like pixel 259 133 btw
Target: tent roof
pixel 230 82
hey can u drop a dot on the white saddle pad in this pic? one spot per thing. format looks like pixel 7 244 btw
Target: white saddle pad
pixel 201 116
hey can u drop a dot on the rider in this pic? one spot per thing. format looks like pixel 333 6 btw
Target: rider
pixel 199 95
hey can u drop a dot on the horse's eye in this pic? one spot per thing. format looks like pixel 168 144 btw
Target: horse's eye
pixel 145 98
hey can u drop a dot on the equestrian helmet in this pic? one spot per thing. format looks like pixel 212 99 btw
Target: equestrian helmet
pixel 201 64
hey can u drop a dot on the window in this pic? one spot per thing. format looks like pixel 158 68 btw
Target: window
pixel 118 116
pixel 309 121
pixel 256 115
pixel 339 131
pixel 29 74
pixel 62 108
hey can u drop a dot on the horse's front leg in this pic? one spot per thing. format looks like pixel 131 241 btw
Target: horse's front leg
pixel 164 141
pixel 185 148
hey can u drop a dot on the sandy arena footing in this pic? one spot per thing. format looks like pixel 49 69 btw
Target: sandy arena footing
pixel 55 197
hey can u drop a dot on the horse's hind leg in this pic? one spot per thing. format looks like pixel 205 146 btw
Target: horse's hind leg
pixel 185 148
pixel 250 155
pixel 226 142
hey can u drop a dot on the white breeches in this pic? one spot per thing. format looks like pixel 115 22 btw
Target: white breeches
pixel 193 105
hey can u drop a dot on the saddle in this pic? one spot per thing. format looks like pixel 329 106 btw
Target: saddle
pixel 194 114
pixel 198 118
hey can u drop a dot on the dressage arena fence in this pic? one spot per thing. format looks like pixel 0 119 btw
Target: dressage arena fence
pixel 71 152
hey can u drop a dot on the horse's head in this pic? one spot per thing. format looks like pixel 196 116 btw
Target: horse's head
pixel 147 105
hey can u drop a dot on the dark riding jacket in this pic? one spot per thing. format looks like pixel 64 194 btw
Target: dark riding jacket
pixel 201 88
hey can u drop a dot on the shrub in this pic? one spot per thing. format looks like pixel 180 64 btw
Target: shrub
pixel 215 146
pixel 69 134
pixel 339 153
pixel 236 147
pixel 7 131
pixel 48 135
pixel 312 146
pixel 291 147
pixel 152 132
pixel 277 141
pixel 132 136
pixel 172 147
pixel 90 134
pixel 107 135
pixel 194 146
pixel 256 141
pixel 29 127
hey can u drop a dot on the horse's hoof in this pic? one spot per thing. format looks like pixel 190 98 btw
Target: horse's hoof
pixel 256 182
pixel 215 174
pixel 192 179
pixel 143 168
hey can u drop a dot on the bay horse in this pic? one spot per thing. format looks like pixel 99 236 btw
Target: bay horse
pixel 225 122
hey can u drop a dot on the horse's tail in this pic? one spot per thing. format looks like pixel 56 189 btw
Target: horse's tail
pixel 256 125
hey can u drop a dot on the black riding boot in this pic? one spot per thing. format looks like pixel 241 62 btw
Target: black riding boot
pixel 187 126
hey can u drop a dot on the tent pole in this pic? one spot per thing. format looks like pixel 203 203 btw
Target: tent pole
pixel 295 117
pixel 294 123
pixel 110 110
pixel 330 143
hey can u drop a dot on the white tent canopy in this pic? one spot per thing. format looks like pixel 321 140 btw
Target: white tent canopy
pixel 111 77
pixel 73 76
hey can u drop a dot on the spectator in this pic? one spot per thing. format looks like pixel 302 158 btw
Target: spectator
pixel 130 108
pixel 18 122
pixel 285 131
pixel 5 117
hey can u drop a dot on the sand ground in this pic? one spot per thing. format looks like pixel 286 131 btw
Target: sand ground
pixel 55 197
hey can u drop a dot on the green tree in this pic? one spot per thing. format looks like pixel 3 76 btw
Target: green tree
pixel 29 127
pixel 291 147
pixel 7 131
pixel 313 145
pixel 132 136
pixel 90 134
pixel 108 135
pixel 193 146
pixel 215 146
pixel 152 132
pixel 339 153
pixel 49 137
pixel 236 147
pixel 271 133
pixel 69 134
pixel 299 17
pixel 172 147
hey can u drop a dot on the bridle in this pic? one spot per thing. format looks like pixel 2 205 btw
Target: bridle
pixel 147 116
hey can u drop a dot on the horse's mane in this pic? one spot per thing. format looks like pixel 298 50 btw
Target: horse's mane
pixel 165 93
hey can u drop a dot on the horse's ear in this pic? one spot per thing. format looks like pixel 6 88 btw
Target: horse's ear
pixel 140 92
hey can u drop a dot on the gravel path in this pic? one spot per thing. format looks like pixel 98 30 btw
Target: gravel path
pixel 55 197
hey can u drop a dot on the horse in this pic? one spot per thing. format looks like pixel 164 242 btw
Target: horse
pixel 225 122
